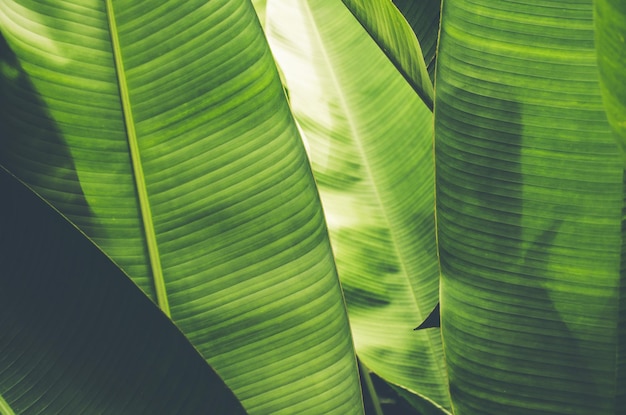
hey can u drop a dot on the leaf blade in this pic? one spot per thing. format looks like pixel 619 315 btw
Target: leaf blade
pixel 68 344
pixel 529 210
pixel 370 146
pixel 423 17
pixel 244 251
pixel 610 30
pixel 139 177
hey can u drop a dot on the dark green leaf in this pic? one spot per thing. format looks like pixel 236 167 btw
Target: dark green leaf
pixel 78 336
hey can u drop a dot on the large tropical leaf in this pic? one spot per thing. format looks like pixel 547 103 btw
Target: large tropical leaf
pixel 370 140
pixel 161 130
pixel 529 205
pixel 78 336
pixel 610 24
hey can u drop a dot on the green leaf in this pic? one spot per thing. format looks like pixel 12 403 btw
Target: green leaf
pixel 259 7
pixel 529 204
pixel 370 140
pixel 162 131
pixel 610 32
pixel 423 17
pixel 610 25
pixel 77 335
pixel 389 29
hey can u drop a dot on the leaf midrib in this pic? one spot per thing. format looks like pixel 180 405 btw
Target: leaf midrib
pixel 138 174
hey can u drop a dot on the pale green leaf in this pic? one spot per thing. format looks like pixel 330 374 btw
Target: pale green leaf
pixel 370 140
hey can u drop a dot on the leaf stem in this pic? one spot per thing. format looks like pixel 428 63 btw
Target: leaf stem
pixel 140 180
pixel 369 385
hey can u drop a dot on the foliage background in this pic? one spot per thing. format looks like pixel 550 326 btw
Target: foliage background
pixel 283 235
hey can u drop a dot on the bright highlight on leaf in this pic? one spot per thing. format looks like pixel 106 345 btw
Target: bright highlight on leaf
pixel 370 140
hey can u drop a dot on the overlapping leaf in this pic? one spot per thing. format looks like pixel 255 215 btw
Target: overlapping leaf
pixel 423 17
pixel 161 130
pixel 68 345
pixel 529 211
pixel 390 30
pixel 370 139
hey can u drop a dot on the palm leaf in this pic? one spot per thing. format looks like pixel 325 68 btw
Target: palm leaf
pixel 529 202
pixel 161 130
pixel 370 146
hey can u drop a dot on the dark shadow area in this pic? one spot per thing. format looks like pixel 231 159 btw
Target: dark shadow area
pixel 496 302
pixel 433 320
pixel 394 400
pixel 31 144
pixel 78 336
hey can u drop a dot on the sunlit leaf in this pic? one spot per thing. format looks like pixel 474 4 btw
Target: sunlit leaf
pixel 370 140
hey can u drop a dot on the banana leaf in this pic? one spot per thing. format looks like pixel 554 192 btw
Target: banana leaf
pixel 370 141
pixel 77 335
pixel 530 205
pixel 161 130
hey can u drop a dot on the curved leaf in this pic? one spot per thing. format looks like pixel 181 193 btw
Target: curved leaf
pixel 610 25
pixel 78 336
pixel 529 202
pixel 162 131
pixel 392 33
pixel 423 17
pixel 370 146
pixel 259 7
